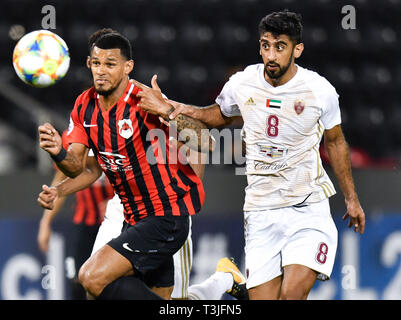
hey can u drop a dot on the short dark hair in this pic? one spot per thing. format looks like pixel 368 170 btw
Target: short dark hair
pixel 282 22
pixel 96 35
pixel 114 40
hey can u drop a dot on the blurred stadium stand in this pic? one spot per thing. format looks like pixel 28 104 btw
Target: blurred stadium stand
pixel 194 46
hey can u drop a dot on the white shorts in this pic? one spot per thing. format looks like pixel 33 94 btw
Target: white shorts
pixel 292 235
pixel 111 225
pixel 182 268
pixel 111 228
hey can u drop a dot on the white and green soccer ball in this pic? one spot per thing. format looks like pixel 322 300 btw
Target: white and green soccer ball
pixel 41 58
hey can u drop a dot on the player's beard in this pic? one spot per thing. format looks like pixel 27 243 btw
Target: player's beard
pixel 106 93
pixel 281 70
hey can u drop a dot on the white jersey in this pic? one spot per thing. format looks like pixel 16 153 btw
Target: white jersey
pixel 283 127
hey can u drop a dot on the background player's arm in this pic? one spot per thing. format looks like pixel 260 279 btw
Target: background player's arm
pixel 73 162
pixel 338 152
pixel 48 216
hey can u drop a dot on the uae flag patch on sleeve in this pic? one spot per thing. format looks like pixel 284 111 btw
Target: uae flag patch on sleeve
pixel 271 103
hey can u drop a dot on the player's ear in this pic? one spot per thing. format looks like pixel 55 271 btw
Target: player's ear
pixel 298 49
pixel 88 62
pixel 129 66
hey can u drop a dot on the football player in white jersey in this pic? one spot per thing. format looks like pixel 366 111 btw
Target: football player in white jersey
pixel 290 236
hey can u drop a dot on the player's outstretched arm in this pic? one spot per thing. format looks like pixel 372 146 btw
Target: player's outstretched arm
pixel 89 175
pixel 66 186
pixel 338 152
pixel 191 131
pixel 70 162
pixel 211 115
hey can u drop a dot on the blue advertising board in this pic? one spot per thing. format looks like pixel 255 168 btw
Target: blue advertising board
pixel 366 267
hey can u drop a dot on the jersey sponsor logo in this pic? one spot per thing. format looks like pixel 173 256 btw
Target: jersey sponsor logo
pixel 250 102
pixel 114 162
pixel 299 106
pixel 261 165
pixel 273 103
pixel 125 128
pixel 86 125
pixel 272 151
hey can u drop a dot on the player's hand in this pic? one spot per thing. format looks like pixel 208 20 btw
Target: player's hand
pixel 151 99
pixel 166 123
pixel 49 139
pixel 47 197
pixel 44 234
pixel 356 216
pixel 178 109
pixel 138 84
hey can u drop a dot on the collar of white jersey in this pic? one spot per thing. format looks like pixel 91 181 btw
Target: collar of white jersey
pixel 283 86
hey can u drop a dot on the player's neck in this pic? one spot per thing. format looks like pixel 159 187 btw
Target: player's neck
pixel 107 102
pixel 291 72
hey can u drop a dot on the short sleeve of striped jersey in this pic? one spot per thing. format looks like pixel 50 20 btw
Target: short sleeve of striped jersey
pixel 331 115
pixel 226 100
pixel 65 140
pixel 76 132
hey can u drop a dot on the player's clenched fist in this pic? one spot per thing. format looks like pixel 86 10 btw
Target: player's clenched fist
pixel 49 139
pixel 47 197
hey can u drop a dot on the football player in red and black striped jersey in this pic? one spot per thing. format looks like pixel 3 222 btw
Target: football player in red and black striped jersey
pixel 158 196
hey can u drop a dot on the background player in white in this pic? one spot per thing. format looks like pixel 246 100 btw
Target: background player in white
pixel 290 237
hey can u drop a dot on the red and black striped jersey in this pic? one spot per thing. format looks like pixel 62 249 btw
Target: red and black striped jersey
pixel 90 203
pixel 128 144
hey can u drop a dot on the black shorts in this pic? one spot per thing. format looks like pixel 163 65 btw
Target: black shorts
pixel 150 245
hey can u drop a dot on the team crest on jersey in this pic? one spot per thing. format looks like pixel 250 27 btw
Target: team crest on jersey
pixel 299 106
pixel 125 128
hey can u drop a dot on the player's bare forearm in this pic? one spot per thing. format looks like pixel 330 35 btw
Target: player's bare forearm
pixel 338 151
pixel 74 162
pixel 211 115
pixel 69 162
pixel 70 166
pixel 193 133
pixel 51 198
pixel 88 176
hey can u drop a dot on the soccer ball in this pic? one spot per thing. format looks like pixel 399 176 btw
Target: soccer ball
pixel 41 58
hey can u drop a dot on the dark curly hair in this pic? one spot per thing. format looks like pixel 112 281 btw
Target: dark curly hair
pixel 96 35
pixel 110 39
pixel 282 22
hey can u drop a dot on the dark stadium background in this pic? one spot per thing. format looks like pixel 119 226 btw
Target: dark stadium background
pixel 194 46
